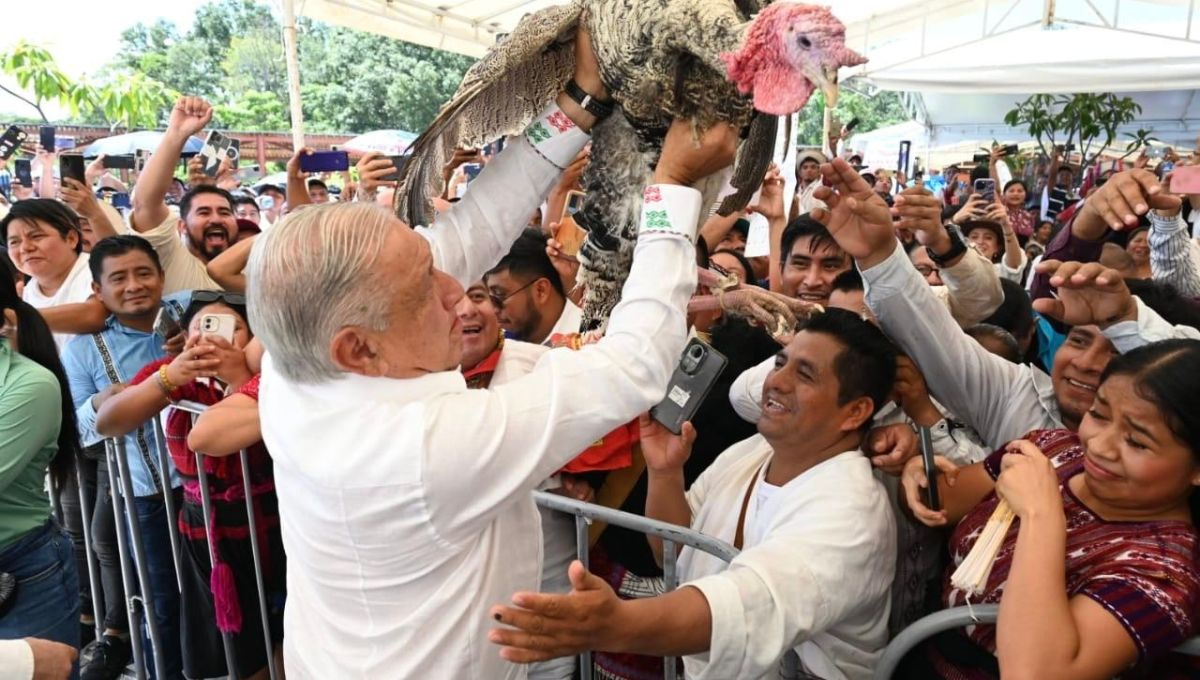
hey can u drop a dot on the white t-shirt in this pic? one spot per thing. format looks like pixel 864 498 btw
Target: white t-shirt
pixel 77 287
pixel 184 271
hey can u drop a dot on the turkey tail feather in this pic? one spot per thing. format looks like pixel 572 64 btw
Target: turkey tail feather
pixel 498 96
pixel 753 159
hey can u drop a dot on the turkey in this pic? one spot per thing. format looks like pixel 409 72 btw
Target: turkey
pixel 745 62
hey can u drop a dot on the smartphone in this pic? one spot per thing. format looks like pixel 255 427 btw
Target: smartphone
pixel 698 369
pixel 216 145
pixel 121 201
pixel 573 203
pixel 932 501
pixel 123 162
pixel 852 124
pixel 1186 180
pixel 986 187
pixel 325 161
pixel 23 169
pixel 220 325
pixel 1069 148
pixel 139 160
pixel 234 152
pixel 399 162
pixel 46 132
pixel 11 141
pixel 472 170
pixel 981 159
pixel 902 159
pixel 71 166
pixel 1011 149
pixel 166 326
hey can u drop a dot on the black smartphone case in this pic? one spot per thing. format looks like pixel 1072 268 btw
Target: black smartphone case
pixel 11 141
pixel 698 369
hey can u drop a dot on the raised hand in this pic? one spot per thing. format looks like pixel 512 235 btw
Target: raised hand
pixel 856 216
pixel 1088 294
pixel 665 452
pixel 973 209
pixel 372 168
pixel 921 213
pixel 770 199
pixel 915 482
pixel 190 116
pixel 1118 203
pixel 79 197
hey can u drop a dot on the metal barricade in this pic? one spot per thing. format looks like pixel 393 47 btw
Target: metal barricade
pixel 957 617
pixel 672 537
pixel 196 410
pixel 132 553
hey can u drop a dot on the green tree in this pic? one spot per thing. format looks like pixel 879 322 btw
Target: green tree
pixel 253 111
pixel 255 63
pixel 42 81
pixel 873 112
pixel 1087 121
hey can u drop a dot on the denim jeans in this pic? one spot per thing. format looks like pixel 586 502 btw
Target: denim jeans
pixel 156 550
pixel 46 604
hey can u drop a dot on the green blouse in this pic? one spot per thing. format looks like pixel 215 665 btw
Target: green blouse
pixel 30 417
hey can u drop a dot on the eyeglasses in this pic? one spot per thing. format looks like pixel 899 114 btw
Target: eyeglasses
pixel 498 301
pixel 925 269
pixel 210 296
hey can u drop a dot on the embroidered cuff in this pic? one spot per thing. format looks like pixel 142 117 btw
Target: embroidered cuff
pixel 556 137
pixel 670 209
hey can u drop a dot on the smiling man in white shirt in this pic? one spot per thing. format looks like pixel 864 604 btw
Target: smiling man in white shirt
pixel 815 527
pixel 404 496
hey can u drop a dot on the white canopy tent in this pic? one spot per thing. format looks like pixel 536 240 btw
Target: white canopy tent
pixel 966 61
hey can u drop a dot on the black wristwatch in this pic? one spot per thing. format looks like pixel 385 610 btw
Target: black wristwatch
pixel 599 109
pixel 958 246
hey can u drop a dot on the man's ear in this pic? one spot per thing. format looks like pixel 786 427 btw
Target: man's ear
pixel 856 413
pixel 354 351
pixel 95 288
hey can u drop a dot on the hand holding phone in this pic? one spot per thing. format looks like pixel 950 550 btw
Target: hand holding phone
pixel 11 141
pixel 71 166
pixel 932 500
pixel 698 369
pixel 986 188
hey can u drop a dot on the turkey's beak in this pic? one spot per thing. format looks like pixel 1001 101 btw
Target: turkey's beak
pixel 827 81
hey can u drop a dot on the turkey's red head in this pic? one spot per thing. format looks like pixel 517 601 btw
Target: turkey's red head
pixel 788 51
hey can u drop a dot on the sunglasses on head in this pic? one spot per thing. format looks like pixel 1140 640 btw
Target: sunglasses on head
pixel 209 296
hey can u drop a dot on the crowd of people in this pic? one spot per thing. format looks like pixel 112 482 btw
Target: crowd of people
pixel 398 391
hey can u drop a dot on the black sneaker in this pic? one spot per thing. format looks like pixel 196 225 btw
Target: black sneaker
pixel 105 659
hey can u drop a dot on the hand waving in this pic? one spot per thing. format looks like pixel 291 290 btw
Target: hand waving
pixel 1088 294
pixel 857 217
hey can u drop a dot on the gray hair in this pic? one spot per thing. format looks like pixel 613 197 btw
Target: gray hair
pixel 311 275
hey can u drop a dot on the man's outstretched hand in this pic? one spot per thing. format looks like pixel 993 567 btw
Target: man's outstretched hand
pixel 546 626
pixel 856 216
pixel 1088 294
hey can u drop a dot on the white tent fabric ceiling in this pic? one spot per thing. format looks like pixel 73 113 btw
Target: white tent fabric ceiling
pixel 968 61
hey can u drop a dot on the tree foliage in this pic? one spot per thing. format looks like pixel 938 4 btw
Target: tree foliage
pixel 350 81
pixel 122 100
pixel 873 112
pixel 1088 121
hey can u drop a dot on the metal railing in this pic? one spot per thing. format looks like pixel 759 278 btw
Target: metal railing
pixel 139 594
pixel 957 617
pixel 672 537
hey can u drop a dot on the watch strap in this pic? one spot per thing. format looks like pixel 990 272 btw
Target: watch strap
pixel 958 246
pixel 599 109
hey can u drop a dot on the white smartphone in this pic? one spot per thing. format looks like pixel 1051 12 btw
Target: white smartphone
pixel 221 325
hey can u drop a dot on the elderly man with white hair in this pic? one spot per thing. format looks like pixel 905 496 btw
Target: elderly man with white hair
pixel 404 497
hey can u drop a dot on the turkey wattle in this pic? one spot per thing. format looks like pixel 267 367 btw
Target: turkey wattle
pixel 704 61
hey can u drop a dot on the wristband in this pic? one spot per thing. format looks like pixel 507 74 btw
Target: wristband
pixel 957 247
pixel 670 209
pixel 599 109
pixel 556 137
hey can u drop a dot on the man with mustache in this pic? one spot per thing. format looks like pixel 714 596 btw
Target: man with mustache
pixel 210 225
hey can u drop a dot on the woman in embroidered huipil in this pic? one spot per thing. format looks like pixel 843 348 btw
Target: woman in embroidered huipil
pixel 1098 575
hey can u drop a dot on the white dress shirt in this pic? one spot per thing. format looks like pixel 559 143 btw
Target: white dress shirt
pixel 405 504
pixel 16 660
pixel 77 287
pixel 814 575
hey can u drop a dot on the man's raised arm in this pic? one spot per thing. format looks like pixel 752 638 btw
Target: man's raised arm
pixel 189 116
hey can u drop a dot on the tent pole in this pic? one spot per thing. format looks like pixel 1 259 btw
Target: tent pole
pixel 293 73
pixel 1048 13
pixel 826 129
